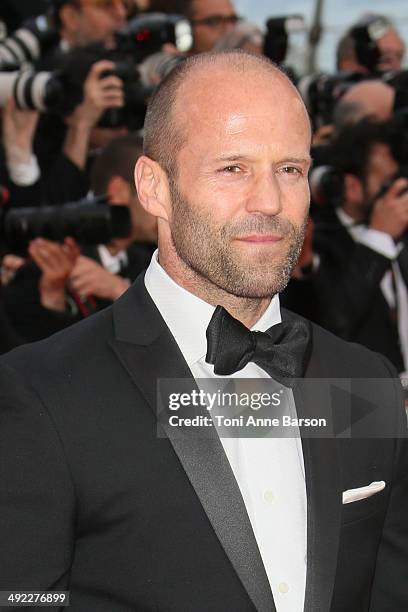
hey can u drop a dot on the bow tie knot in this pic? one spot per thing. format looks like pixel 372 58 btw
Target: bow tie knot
pixel 282 351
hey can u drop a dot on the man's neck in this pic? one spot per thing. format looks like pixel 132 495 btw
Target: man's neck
pixel 246 310
pixel 353 211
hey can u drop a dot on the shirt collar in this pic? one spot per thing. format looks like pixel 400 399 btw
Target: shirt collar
pixel 110 262
pixel 187 315
pixel 344 218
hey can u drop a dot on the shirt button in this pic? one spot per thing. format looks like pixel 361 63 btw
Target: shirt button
pixel 269 497
pixel 283 587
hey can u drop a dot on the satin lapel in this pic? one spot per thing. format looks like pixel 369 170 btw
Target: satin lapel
pixel 323 490
pixel 323 486
pixel 148 351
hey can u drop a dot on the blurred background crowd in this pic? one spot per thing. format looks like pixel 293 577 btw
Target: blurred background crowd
pixel 75 77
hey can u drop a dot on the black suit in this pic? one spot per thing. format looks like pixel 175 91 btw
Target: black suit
pixel 92 500
pixel 33 321
pixel 351 302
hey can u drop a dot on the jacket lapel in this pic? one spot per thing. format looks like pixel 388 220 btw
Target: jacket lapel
pixel 148 351
pixel 323 486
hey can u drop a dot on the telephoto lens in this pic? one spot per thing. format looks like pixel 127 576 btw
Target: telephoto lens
pixel 88 221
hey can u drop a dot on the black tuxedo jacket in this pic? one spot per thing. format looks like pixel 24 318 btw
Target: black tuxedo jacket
pixel 92 500
pixel 351 302
pixel 23 303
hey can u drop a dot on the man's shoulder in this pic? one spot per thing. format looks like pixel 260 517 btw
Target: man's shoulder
pixel 341 359
pixel 329 233
pixel 75 346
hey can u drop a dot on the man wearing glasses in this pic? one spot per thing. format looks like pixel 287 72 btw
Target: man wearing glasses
pixel 211 20
pixel 85 21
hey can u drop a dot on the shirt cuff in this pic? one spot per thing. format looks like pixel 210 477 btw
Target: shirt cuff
pixel 24 174
pixel 381 242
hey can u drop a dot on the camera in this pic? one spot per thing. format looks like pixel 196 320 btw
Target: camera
pixel 277 34
pixel 28 43
pixel 146 34
pixel 32 90
pixel 365 35
pixel 89 221
pixel 62 90
pixel 327 187
pixel 322 91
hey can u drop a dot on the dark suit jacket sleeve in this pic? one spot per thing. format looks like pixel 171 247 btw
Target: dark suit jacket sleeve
pixel 36 493
pixel 23 305
pixel 390 587
pixel 347 285
pixel 65 182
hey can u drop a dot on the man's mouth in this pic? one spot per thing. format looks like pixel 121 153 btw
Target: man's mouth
pixel 260 238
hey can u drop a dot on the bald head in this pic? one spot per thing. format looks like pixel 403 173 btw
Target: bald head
pixel 200 85
pixel 373 99
pixel 233 208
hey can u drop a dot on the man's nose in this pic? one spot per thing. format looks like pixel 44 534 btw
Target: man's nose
pixel 265 195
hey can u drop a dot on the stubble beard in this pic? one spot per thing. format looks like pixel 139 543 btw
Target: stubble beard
pixel 211 253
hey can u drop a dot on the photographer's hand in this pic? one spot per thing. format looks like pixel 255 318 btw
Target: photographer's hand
pixel 100 93
pixel 56 262
pixel 90 278
pixel 9 266
pixel 18 134
pixel 390 213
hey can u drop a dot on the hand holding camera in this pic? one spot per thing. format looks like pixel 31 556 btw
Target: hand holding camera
pixel 100 93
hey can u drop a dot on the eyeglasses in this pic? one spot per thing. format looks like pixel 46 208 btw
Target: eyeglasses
pixel 216 21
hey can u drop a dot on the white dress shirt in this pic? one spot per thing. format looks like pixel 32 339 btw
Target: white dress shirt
pixel 269 471
pixel 112 263
pixel 383 243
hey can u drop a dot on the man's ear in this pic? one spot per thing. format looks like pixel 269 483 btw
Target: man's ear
pixel 353 187
pixel 152 187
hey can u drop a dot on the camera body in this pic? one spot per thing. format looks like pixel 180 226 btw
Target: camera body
pixel 28 43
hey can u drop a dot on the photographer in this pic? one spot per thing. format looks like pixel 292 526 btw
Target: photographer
pixel 371 99
pixel 62 146
pixel 210 20
pixel 66 179
pixel 391 48
pixel 86 21
pixel 64 283
pixel 361 283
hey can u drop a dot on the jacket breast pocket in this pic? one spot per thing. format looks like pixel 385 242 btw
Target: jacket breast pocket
pixel 362 509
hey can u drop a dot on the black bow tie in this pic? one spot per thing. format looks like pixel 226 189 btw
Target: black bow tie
pixel 282 351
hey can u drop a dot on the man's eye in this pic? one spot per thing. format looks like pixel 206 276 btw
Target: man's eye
pixel 231 169
pixel 292 170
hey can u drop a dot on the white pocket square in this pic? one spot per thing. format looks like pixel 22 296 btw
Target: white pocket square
pixel 352 495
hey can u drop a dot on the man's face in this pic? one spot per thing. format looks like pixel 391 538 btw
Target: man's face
pixel 98 20
pixel 392 51
pixel 241 197
pixel 211 19
pixel 380 169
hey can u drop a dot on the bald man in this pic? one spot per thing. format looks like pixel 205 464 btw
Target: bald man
pixel 368 99
pixel 391 48
pixel 211 21
pixel 119 485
